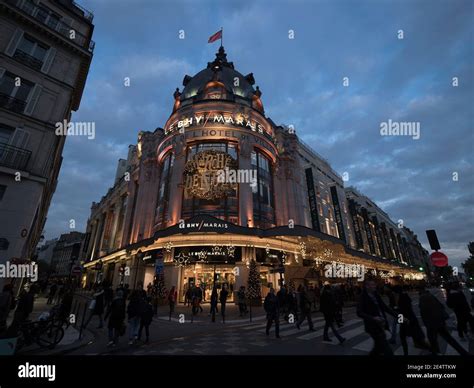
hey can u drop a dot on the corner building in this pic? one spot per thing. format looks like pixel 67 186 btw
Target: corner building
pixel 218 186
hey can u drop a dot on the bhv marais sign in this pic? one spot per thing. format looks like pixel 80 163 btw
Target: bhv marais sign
pixel 202 119
pixel 201 175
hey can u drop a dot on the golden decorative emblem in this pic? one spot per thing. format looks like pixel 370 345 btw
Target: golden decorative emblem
pixel 205 175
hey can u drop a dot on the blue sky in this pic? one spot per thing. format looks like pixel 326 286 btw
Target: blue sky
pixel 301 81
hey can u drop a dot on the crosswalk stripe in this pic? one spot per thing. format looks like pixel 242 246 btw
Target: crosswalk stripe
pixel 319 333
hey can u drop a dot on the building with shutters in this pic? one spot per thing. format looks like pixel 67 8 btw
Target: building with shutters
pixel 66 254
pixel 176 217
pixel 45 54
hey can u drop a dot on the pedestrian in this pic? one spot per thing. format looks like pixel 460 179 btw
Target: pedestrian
pixel 223 299
pixel 52 293
pixel 188 296
pixel 409 327
pixel 282 296
pixel 393 305
pixel 241 301
pixel 312 298
pixel 134 310
pixel 214 302
pixel 305 308
pixel 339 302
pixel 24 308
pixel 146 319
pixel 372 309
pixel 457 301
pixel 272 309
pixel 7 303
pixel 434 317
pixel 116 315
pixel 108 295
pixel 96 307
pixel 172 296
pixel 328 307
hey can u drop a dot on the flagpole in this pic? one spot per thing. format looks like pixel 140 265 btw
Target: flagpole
pixel 222 35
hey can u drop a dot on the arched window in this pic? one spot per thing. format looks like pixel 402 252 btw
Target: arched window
pixel 263 201
pixel 162 203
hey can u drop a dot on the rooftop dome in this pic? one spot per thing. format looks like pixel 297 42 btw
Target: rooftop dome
pixel 220 81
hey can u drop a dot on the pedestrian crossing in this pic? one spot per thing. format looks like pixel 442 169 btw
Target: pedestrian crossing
pixel 354 333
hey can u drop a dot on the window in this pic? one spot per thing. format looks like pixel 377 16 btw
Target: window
pixel 3 188
pixel 225 208
pixel 48 17
pixel 31 52
pixel 263 204
pixel 6 133
pixel 12 96
pixel 162 203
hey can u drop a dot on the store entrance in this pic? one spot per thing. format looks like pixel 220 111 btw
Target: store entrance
pixel 206 276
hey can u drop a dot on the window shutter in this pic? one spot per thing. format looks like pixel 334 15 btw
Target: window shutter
pixel 20 138
pixel 11 48
pixel 33 99
pixel 48 61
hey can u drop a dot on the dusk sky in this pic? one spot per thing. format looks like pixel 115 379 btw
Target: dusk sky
pixel 301 80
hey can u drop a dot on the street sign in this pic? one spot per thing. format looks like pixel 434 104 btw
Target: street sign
pixel 439 259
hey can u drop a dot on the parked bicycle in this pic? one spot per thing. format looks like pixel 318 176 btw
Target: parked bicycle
pixel 46 333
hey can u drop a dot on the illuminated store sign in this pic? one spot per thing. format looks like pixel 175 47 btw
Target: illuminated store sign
pixel 201 175
pixel 206 118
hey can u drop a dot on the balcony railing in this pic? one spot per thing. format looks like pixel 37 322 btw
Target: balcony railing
pixel 12 103
pixel 54 24
pixel 87 14
pixel 14 157
pixel 28 59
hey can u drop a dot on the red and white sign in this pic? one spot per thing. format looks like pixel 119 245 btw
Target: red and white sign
pixel 439 259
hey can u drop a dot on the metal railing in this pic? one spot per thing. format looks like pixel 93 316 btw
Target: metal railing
pixel 28 59
pixel 12 103
pixel 56 25
pixel 14 157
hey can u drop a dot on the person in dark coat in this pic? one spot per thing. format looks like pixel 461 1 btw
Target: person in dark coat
pixel 410 326
pixel 328 307
pixel 223 299
pixel 116 315
pixel 145 319
pixel 108 295
pixel 97 307
pixel 241 301
pixel 6 304
pixel 372 309
pixel 305 308
pixel 457 301
pixel 52 293
pixel 23 310
pixel 135 310
pixel 434 317
pixel 272 309
pixel 172 297
pixel 214 302
pixel 282 296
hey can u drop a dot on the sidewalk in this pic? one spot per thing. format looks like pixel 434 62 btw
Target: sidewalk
pixel 70 340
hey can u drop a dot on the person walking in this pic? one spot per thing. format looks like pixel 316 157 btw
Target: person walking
pixel 116 316
pixel 305 308
pixel 146 318
pixel 108 295
pixel 223 299
pixel 272 309
pixel 96 307
pixel 372 309
pixel 52 293
pixel 172 297
pixel 393 305
pixel 457 302
pixel 188 296
pixel 434 317
pixel 241 301
pixel 282 296
pixel 24 308
pixel 328 307
pixel 410 326
pixel 7 303
pixel 214 302
pixel 134 310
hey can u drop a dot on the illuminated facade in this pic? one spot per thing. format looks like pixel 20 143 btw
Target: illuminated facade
pixel 218 186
